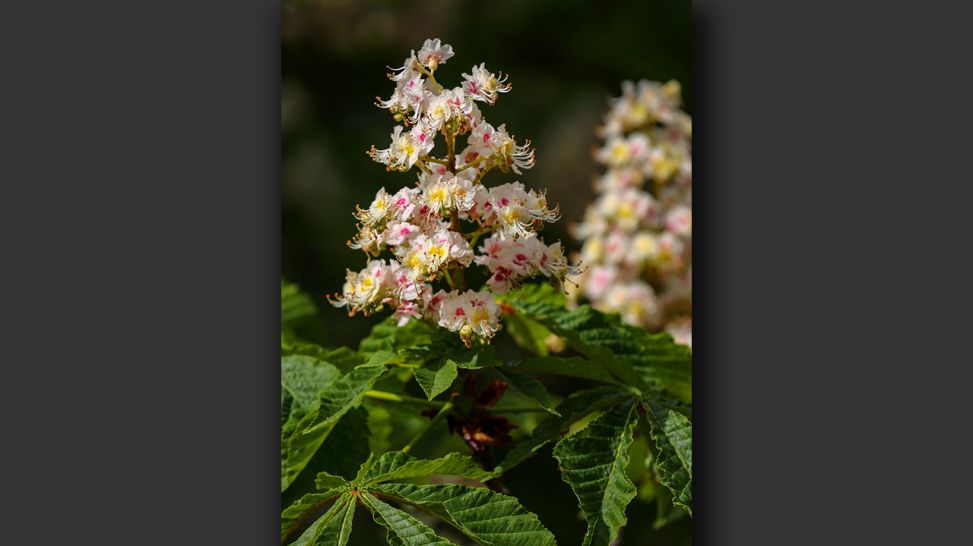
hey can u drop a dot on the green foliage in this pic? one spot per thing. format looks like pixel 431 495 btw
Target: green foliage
pixel 397 465
pixel 434 379
pixel 593 462
pixel 673 436
pixel 334 400
pixel 404 530
pixel 630 384
pixel 479 513
pixel 334 527
pixel 295 306
pixel 485 516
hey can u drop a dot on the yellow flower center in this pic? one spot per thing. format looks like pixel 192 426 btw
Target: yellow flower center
pixel 437 251
pixel 479 315
pixel 439 196
pixel 620 151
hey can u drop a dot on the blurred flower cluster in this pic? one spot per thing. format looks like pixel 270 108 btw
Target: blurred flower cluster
pixel 637 235
pixel 431 229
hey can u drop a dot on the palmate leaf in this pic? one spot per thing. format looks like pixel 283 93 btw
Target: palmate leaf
pixel 337 398
pixel 341 454
pixel 396 465
pixel 485 516
pixel 403 529
pixel 573 408
pixel 333 528
pixel 672 433
pixel 594 461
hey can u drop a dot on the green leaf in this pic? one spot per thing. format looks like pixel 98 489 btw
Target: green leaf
pixel 638 358
pixel 597 336
pixel 326 481
pixel 666 365
pixel 483 515
pixel 295 306
pixel 396 465
pixel 673 436
pixel 527 333
pixel 573 366
pixel 475 358
pixel 403 529
pixel 594 463
pixel 346 448
pixel 436 379
pixel 291 516
pixel 531 388
pixel 340 455
pixel 339 397
pixel 573 408
pixel 333 528
pixel 343 358
pixel 417 343
pixel 380 425
pixel 389 336
pixel 304 377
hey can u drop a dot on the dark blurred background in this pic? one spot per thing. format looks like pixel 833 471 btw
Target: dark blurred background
pixel 564 58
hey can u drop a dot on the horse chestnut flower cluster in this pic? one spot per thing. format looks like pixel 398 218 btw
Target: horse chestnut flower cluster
pixel 637 235
pixel 430 230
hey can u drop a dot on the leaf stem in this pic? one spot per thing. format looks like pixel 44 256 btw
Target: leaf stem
pixel 392 397
pixel 447 407
pixel 518 409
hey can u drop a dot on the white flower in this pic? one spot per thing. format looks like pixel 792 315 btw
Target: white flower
pixel 379 207
pixel 598 280
pixel 616 247
pixel 644 247
pixel 403 202
pixel 514 156
pixel 447 191
pixel 482 141
pixel 446 106
pixel 400 233
pixel 471 314
pixel 679 221
pixel 410 94
pixel 429 253
pixel 406 148
pixel 434 53
pixel 369 287
pixel 483 85
pixel 510 260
